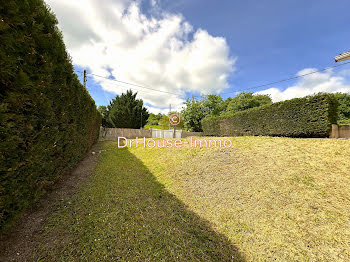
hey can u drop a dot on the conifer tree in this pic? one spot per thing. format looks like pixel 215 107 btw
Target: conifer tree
pixel 125 111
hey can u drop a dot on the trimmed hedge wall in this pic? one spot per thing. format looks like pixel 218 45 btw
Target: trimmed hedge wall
pixel 311 116
pixel 48 120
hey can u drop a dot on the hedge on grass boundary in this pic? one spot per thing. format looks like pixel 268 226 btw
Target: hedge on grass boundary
pixel 48 120
pixel 310 116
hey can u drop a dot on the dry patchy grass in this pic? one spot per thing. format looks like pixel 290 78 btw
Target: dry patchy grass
pixel 277 199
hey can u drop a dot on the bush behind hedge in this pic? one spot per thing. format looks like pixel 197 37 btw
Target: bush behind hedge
pixel 300 117
pixel 48 120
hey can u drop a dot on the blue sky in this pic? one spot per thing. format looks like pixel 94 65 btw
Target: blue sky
pixel 248 43
pixel 274 39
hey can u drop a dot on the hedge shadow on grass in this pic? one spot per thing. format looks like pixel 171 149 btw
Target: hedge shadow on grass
pixel 124 213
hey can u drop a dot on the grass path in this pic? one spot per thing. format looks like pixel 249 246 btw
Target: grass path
pixel 125 214
pixel 18 243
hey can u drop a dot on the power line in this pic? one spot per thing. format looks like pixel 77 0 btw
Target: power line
pixel 145 87
pixel 287 79
pixel 120 86
pixel 142 91
pixel 242 90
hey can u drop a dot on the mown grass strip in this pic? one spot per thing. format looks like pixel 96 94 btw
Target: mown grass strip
pixel 125 214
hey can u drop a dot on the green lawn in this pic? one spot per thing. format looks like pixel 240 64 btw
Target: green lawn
pixel 264 199
pixel 125 214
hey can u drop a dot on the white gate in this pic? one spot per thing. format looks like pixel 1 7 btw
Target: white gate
pixel 171 133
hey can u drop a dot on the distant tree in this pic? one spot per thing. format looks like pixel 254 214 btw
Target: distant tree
pixel 192 114
pixel 344 107
pixel 212 105
pixel 154 119
pixel 125 111
pixel 225 104
pixel 246 100
pixel 164 123
pixel 104 112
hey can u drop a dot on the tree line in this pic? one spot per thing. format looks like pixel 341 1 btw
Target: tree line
pixel 125 111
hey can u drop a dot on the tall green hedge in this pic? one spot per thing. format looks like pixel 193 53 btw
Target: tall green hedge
pixel 311 116
pixel 48 120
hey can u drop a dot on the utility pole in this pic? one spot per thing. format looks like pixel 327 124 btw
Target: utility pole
pixel 85 78
pixel 141 119
pixel 169 115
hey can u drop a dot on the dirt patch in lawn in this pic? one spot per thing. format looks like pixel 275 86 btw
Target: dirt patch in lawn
pixel 18 243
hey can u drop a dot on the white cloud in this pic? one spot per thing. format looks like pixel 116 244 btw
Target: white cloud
pixel 114 39
pixel 327 81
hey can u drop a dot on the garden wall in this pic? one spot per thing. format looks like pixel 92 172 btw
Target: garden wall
pixel 189 134
pixel 114 133
pixel 311 116
pixel 340 131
